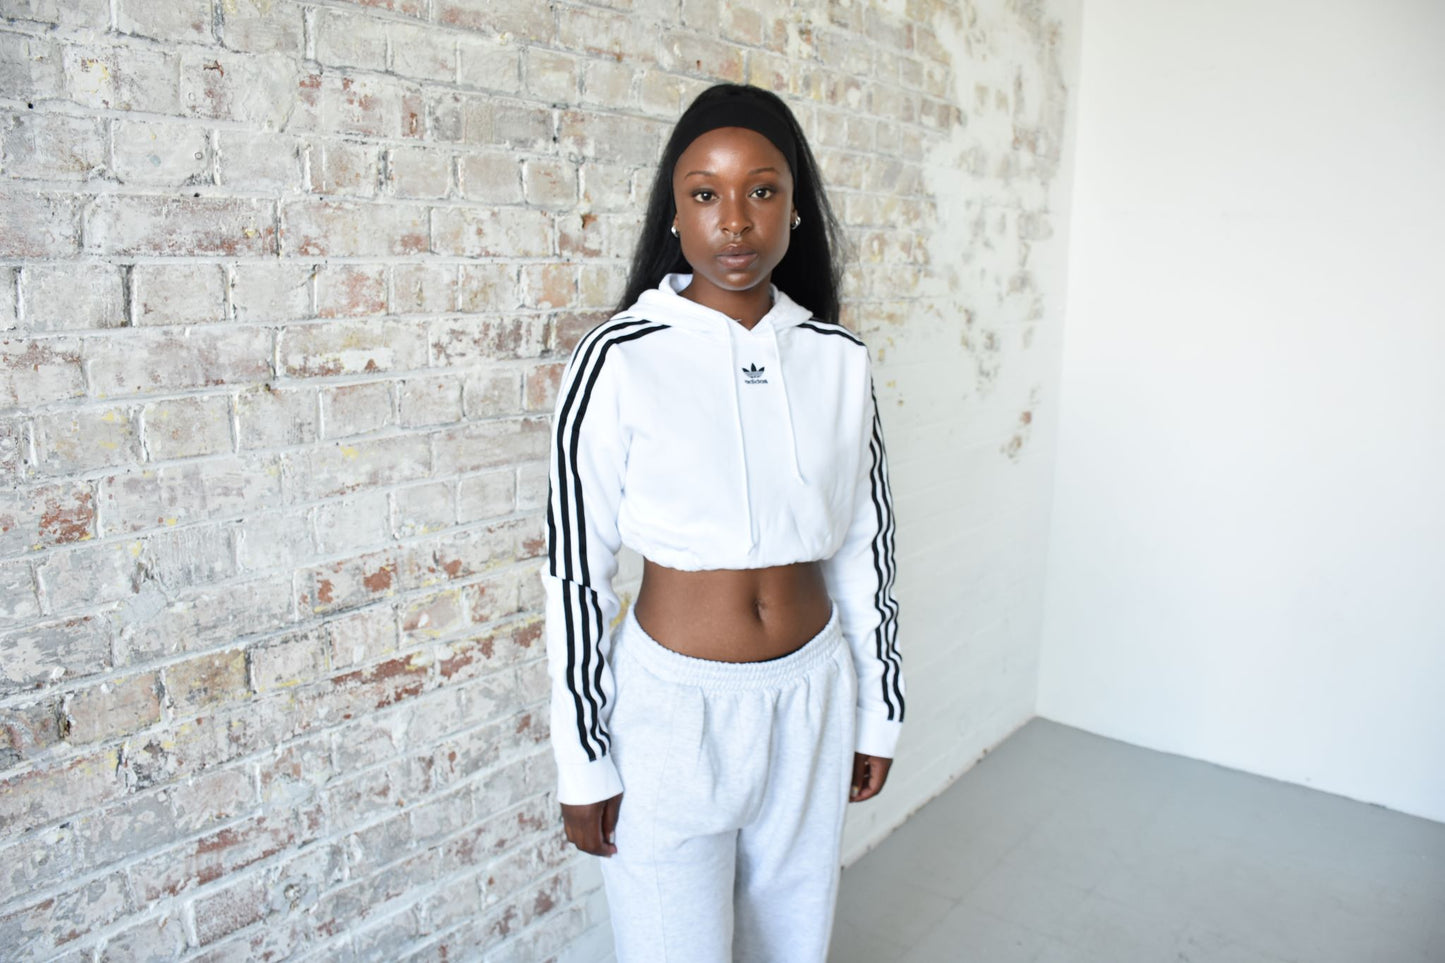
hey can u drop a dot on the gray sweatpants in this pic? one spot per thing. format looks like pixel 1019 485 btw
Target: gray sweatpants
pixel 735 778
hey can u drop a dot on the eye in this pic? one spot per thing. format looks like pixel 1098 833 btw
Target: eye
pixel 765 192
pixel 703 195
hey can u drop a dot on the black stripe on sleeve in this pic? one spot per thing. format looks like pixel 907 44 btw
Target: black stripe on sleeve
pixel 838 329
pixel 885 644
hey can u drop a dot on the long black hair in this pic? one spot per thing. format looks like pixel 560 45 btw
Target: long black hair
pixel 810 273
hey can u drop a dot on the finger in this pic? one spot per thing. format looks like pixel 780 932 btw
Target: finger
pixel 610 811
pixel 875 773
pixel 860 775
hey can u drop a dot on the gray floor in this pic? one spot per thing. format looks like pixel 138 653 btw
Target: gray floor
pixel 1064 846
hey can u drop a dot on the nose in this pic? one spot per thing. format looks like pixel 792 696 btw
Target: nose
pixel 733 218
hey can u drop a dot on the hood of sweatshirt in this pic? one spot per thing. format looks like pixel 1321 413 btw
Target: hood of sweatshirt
pixel 663 303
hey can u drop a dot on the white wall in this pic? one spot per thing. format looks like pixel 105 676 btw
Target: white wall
pixel 1247 548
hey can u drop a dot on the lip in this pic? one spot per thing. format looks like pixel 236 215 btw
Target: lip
pixel 736 256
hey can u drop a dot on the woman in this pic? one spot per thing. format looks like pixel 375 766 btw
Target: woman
pixel 730 436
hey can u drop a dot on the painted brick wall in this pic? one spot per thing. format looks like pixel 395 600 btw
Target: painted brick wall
pixel 285 289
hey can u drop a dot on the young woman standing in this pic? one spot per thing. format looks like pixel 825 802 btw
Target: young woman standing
pixel 729 434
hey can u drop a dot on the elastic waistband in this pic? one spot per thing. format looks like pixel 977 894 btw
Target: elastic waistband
pixel 685 670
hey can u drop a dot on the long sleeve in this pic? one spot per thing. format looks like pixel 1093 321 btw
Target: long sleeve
pixel 588 456
pixel 860 581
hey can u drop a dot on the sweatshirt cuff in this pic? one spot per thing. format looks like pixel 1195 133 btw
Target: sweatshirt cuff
pixel 579 783
pixel 877 734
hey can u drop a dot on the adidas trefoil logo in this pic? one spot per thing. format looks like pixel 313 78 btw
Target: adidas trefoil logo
pixel 754 375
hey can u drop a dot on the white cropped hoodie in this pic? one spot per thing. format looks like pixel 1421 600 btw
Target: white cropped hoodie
pixel 702 444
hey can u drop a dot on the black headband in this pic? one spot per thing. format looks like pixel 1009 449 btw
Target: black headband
pixel 739 109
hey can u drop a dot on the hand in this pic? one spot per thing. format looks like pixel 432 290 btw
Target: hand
pixel 590 826
pixel 869 774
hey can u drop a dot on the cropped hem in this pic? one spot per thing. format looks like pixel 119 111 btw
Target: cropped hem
pixel 877 736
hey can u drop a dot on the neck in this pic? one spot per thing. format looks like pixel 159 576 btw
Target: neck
pixel 745 307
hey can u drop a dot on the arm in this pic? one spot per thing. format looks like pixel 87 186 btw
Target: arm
pixel 860 582
pixel 587 457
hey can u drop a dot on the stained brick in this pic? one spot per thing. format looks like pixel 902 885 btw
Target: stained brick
pixel 430 401
pixel 161 154
pixel 45 515
pixel 350 290
pixel 271 417
pixel 352 347
pixel 489 65
pixel 206 680
pixel 340 167
pixel 113 709
pixel 122 78
pixel 424 288
pixel 171 225
pixel 38 224
pixel 186 427
pixel 258 26
pixel 86 438
pixel 348 229
pixel 485 496
pixel 53 146
pixel 196 358
pixel 521 18
pixel 493 232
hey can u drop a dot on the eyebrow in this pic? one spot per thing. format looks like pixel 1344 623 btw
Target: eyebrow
pixel 755 170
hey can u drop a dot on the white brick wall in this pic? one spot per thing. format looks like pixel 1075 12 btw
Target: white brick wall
pixel 284 292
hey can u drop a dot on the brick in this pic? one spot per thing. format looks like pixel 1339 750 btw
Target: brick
pixel 187 427
pixel 551 75
pixel 206 680
pixel 179 20
pixel 272 292
pixel 175 494
pixel 28 730
pixel 348 229
pixel 228 909
pixel 493 232
pixel 349 39
pixel 196 358
pixel 122 78
pixel 352 347
pixel 489 65
pixel 213 856
pixel 429 401
pixel 349 583
pixel 18 601
pixel 274 540
pixel 488 288
pixel 30 66
pixel 489 444
pixel 86 438
pixel 462 118
pixel 289 661
pixel 356 409
pixel 486 496
pixel 520 18
pixel 159 937
pixel 160 154
pixel 71 13
pixel 37 860
pixel 423 509
pixel 372 107
pixel 339 167
pixel 256 161
pixel 423 53
pixel 611 138
pixel 37 371
pixel 369 463
pixel 53 922
pixel 460 341
pixel 491 392
pixel 354 524
pixel 52 146
pixel 522 126
pixel 550 183
pixel 74 296
pixel 179 293
pixel 532 487
pixel 44 795
pixel 419 172
pixel 182 558
pixel 37 224
pixel 201 618
pixel 271 417
pixel 45 515
pixel 350 290
pixel 9 298
pixel 254 89
pixel 188 226
pixel 360 637
pixel 539 387
pixel 491 178
pixel 261 26
pixel 609 34
pixel 608 84
pixel 45 652
pixel 424 288
pixel 113 709
pixel 601 286
pixel 549 286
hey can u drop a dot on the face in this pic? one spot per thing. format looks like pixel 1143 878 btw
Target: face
pixel 734 197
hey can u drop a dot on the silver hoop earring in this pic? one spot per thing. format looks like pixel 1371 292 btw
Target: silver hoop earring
pixel 674 232
pixel 797 219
